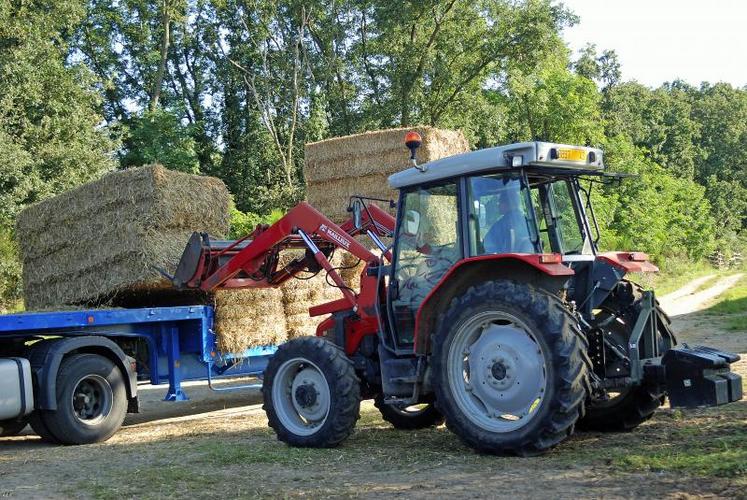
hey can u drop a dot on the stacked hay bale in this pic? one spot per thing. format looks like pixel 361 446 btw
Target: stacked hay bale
pixel 249 318
pixel 95 246
pixel 91 243
pixel 305 291
pixel 337 168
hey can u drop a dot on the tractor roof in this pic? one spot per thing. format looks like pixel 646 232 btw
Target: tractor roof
pixel 539 154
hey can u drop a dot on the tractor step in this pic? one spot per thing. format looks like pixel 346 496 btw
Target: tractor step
pixel 701 376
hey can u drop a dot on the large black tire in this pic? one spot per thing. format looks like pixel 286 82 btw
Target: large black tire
pixel 409 419
pixel 12 427
pixel 629 408
pixel 334 388
pixel 623 413
pixel 40 428
pixel 557 341
pixel 91 401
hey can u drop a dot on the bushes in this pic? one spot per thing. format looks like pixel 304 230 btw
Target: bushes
pixel 654 211
pixel 10 273
pixel 243 223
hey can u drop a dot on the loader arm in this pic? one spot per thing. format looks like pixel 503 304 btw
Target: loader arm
pixel 253 261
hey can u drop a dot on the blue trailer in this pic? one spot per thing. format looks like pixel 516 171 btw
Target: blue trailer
pixel 73 374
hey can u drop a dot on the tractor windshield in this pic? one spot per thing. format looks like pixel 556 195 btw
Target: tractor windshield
pixel 562 226
pixel 573 239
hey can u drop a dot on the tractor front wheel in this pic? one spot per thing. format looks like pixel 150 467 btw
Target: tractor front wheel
pixel 510 368
pixel 311 393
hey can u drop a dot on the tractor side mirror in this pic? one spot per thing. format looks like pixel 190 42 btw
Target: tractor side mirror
pixel 357 214
pixel 411 223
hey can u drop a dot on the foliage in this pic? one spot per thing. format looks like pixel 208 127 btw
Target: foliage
pixel 50 138
pixel 159 137
pixel 50 134
pixel 654 211
pixel 244 223
pixel 10 272
pixel 553 104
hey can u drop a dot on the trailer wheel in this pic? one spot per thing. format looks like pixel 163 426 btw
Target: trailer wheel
pixel 510 368
pixel 311 393
pixel 12 427
pixel 91 400
pixel 419 416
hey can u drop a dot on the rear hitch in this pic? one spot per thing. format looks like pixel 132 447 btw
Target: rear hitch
pixel 700 376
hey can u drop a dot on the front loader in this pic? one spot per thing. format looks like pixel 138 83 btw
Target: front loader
pixel 493 310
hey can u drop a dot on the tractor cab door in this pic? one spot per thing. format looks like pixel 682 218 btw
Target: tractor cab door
pixel 428 244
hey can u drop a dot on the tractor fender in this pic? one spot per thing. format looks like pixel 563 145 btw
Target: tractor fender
pixel 525 268
pixel 629 262
pixel 46 356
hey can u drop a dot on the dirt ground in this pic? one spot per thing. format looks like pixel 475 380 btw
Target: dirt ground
pixel 218 444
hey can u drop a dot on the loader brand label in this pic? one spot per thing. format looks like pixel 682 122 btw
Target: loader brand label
pixel 335 236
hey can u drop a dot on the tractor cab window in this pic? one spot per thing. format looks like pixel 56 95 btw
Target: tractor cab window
pixel 500 215
pixel 428 245
pixel 571 233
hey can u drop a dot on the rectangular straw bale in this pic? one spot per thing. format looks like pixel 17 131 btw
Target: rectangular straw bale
pixel 301 294
pixel 249 318
pixel 377 152
pixel 332 197
pixel 103 238
pixel 338 168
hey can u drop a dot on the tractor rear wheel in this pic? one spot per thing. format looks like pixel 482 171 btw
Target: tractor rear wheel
pixel 419 416
pixel 510 368
pixel 628 408
pixel 311 393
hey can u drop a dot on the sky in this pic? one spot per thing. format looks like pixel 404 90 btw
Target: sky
pixel 659 41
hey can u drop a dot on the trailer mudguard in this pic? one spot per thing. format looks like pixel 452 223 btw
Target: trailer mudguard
pixel 46 356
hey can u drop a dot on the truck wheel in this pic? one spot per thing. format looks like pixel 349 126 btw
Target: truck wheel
pixel 40 428
pixel 510 368
pixel 12 427
pixel 419 416
pixel 311 393
pixel 91 400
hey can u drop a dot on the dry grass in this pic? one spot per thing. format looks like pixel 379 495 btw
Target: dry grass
pixel 103 238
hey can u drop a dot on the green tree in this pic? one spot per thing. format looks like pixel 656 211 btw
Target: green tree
pixel 50 134
pixel 553 104
pixel 721 111
pixel 654 211
pixel 50 122
pixel 159 137
pixel 660 121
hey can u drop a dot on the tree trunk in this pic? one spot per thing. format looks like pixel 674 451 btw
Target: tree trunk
pixel 165 42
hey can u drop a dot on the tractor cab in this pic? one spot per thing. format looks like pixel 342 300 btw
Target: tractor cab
pixel 516 200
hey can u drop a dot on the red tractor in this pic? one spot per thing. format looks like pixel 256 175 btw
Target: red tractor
pixel 493 310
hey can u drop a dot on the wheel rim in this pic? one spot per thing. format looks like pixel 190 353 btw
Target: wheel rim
pixel 301 396
pixel 92 399
pixel 496 371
